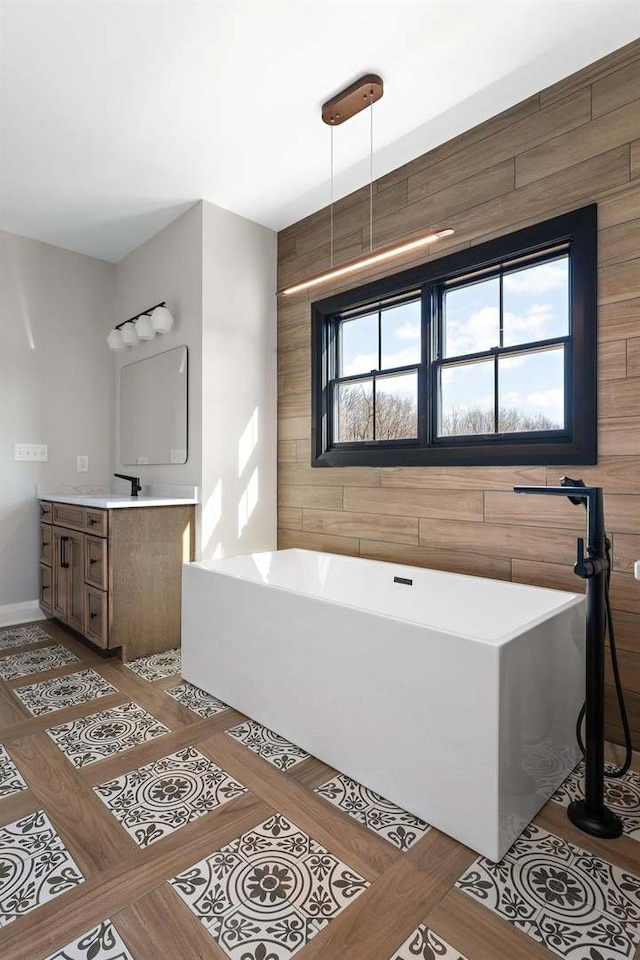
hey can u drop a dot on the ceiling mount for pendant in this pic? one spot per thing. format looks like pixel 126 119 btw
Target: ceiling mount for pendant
pixel 360 95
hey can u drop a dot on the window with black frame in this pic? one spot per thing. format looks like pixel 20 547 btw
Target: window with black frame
pixel 485 356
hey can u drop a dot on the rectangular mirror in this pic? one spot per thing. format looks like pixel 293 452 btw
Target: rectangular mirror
pixel 153 409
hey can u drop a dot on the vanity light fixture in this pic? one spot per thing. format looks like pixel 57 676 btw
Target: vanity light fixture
pixel 144 326
pixel 346 104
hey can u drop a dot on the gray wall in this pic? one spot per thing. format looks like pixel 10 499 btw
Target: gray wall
pixel 238 385
pixel 56 387
pixel 166 267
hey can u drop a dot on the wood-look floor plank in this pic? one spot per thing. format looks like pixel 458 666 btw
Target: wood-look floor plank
pixel 95 839
pixel 358 846
pixel 160 923
pixel 382 917
pixel 480 934
pixel 104 895
pixel 623 852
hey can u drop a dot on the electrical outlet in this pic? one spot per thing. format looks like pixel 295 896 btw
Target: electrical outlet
pixel 83 463
pixel 31 451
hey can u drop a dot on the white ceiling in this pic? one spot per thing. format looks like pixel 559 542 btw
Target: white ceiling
pixel 116 115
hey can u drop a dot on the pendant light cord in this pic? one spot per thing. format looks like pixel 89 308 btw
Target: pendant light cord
pixel 331 204
pixel 371 171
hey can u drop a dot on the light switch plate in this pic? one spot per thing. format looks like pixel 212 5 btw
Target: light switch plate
pixel 82 463
pixel 636 569
pixel 31 451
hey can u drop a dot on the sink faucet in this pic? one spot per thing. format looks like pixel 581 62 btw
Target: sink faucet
pixel 134 481
pixel 591 814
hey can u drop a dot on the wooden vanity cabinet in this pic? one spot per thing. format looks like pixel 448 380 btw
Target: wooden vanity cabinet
pixel 115 576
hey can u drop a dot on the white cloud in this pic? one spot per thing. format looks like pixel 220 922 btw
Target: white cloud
pixel 540 279
pixel 479 332
pixel 550 402
pixel 408 331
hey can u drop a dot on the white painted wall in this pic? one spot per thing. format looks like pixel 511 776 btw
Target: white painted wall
pixel 56 387
pixel 166 267
pixel 238 485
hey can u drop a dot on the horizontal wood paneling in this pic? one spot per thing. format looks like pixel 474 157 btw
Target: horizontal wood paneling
pixel 464 504
pixel 577 142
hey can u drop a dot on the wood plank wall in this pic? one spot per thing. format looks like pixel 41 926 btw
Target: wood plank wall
pixel 571 144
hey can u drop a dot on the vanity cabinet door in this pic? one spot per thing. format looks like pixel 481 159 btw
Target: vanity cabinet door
pixel 68 577
pixel 45 580
pixel 95 562
pixel 60 570
pixel 96 616
pixel 46 543
pixel 75 558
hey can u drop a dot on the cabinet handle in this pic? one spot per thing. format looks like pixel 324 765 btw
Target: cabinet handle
pixel 92 615
pixel 45 543
pixel 92 521
pixel 63 552
pixel 92 560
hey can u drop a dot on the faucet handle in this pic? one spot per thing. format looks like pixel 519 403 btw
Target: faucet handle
pixel 586 567
pixel 583 568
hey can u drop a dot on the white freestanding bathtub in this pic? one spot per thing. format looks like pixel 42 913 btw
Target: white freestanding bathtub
pixel 453 696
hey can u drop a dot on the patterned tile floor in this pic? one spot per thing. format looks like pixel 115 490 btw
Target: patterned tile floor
pixel 426 945
pixel 35 661
pixel 11 780
pixel 59 692
pixel 272 891
pixel 102 734
pixel 621 794
pixel 101 943
pixel 34 866
pixel 268 745
pixel 575 904
pixel 197 700
pixel 21 636
pixel 157 666
pixel 273 886
pixel 159 798
pixel 388 820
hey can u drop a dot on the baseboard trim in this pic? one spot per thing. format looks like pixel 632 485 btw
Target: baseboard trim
pixel 12 613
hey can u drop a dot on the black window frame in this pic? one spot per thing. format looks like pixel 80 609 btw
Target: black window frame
pixel 575 233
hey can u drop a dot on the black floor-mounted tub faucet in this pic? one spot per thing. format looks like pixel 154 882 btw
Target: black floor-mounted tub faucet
pixel 591 814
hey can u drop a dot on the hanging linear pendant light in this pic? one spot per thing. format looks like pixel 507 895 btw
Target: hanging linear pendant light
pixel 360 95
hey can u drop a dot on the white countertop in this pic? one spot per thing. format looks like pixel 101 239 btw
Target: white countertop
pixel 116 501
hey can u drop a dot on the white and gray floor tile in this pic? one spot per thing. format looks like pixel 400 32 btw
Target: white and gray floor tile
pixel 100 735
pixel 269 745
pixel 35 661
pixel 100 943
pixel 621 794
pixel 426 945
pixel 197 700
pixel 571 902
pixel 154 801
pixel 22 636
pixel 157 666
pixel 35 866
pixel 46 696
pixel 11 780
pixel 385 818
pixel 269 892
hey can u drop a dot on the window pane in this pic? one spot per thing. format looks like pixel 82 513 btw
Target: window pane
pixel 354 411
pixel 467 399
pixel 531 391
pixel 397 407
pixel 471 318
pixel 401 335
pixel 536 303
pixel 359 345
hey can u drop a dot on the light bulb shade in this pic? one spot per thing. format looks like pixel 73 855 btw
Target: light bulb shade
pixel 144 327
pixel 114 340
pixel 129 335
pixel 161 320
